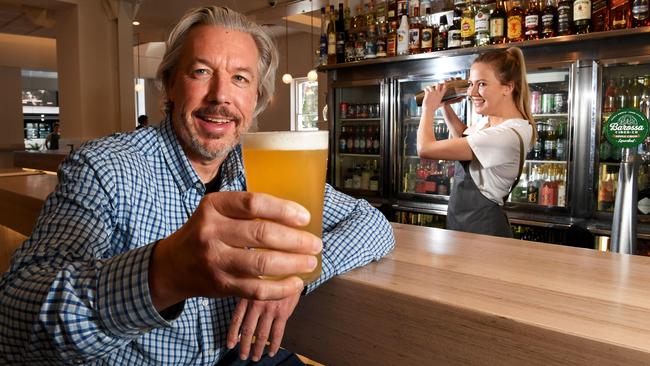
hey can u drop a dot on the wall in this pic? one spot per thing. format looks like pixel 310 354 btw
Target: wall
pixel 153 104
pixel 277 116
pixel 26 52
pixel 11 120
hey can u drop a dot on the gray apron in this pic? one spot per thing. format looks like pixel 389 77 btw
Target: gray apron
pixel 470 211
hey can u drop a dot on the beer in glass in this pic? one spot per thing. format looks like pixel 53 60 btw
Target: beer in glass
pixel 290 165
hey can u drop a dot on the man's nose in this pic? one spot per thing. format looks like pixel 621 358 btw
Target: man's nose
pixel 220 89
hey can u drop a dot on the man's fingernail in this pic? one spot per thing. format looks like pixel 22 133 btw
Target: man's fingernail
pixel 303 215
pixel 230 345
pixel 318 246
pixel 271 354
pixel 243 357
pixel 312 262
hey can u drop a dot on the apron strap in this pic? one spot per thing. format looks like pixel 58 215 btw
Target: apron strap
pixel 521 163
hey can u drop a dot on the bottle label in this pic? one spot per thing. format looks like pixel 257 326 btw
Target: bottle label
pixel 481 22
pixel 582 10
pixel 331 44
pixel 467 28
pixel 547 22
pixel 414 39
pixel 514 27
pixel 532 23
pixel 496 27
pixel 453 39
pixel 402 42
pixel 427 41
pixel 644 205
pixel 640 12
pixel 564 18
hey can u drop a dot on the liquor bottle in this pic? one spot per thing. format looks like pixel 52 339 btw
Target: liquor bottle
pixel 371 15
pixel 636 90
pixel 515 22
pixel 360 46
pixel 605 190
pixel 498 24
pixel 482 25
pixel 467 28
pixel 532 21
pixel 623 93
pixel 375 141
pixel 620 14
pixel 453 35
pixel 361 137
pixel 349 146
pixel 347 19
pixel 380 13
pixel 427 39
pixel 350 44
pixel 610 102
pixel 402 8
pixel 561 188
pixel 403 36
pixel 414 8
pixel 343 141
pixel 599 15
pixel 549 20
pixel 415 31
pixel 520 191
pixel 371 42
pixel 564 17
pixel 531 189
pixel 548 192
pixel 561 145
pixel 359 20
pixel 582 16
pixel 391 40
pixel 381 39
pixel 340 36
pixel 640 16
pixel 550 141
pixel 331 38
pixel 392 11
pixel 369 148
pixel 323 37
pixel 441 36
pixel 644 105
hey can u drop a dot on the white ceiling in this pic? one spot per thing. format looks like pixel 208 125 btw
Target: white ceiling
pixel 36 17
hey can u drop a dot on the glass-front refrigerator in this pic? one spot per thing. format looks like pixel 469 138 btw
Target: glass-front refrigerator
pixel 420 180
pixel 358 130
pixel 544 179
pixel 622 85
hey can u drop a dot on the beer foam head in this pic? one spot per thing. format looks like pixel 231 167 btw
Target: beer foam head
pixel 286 140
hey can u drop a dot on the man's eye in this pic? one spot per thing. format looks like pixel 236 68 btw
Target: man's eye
pixel 241 78
pixel 201 72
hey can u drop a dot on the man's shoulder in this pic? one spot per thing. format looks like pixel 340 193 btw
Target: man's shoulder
pixel 123 146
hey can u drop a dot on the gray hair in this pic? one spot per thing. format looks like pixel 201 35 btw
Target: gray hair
pixel 227 18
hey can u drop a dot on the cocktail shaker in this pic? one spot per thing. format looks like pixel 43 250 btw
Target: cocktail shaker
pixel 455 89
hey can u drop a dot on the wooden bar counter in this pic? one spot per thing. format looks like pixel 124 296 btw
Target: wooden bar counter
pixel 451 298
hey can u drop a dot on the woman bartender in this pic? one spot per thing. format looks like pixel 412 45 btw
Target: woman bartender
pixel 490 153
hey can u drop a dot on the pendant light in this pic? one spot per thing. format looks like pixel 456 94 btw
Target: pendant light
pixel 286 78
pixel 312 75
pixel 138 87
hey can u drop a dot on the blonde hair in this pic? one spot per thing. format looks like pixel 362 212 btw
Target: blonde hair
pixel 509 67
pixel 220 16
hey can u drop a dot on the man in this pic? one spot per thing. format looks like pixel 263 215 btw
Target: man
pixel 140 256
pixel 52 139
pixel 143 121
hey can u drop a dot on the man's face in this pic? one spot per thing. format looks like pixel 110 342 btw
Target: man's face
pixel 214 91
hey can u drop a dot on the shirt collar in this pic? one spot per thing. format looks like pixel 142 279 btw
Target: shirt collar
pixel 183 173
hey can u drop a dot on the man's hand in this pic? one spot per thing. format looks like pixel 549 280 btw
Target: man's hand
pixel 209 256
pixel 265 320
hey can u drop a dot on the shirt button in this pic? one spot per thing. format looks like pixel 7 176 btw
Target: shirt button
pixel 205 303
pixel 78 361
pixel 211 352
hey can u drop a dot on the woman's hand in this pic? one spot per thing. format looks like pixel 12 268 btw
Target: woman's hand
pixel 433 96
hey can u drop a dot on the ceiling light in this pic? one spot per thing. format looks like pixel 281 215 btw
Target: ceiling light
pixel 286 78
pixel 135 22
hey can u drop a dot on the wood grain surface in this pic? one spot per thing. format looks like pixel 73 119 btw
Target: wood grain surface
pixel 450 298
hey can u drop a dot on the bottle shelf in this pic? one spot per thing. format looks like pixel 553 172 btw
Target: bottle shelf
pixel 528 161
pixel 348 120
pixel 353 155
pixel 551 115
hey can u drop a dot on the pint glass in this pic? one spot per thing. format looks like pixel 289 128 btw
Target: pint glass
pixel 290 165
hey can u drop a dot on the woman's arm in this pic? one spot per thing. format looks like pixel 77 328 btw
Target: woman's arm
pixel 454 124
pixel 427 145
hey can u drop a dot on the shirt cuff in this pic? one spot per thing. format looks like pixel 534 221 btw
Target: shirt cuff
pixel 124 302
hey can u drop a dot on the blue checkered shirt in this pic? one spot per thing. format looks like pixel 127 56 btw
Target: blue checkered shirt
pixel 77 290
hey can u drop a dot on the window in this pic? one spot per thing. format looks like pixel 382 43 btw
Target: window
pixel 304 105
pixel 140 105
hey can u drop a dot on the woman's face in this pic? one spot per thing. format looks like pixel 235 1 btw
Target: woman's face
pixel 486 92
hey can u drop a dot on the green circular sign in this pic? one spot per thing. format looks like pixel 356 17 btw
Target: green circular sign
pixel 627 127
